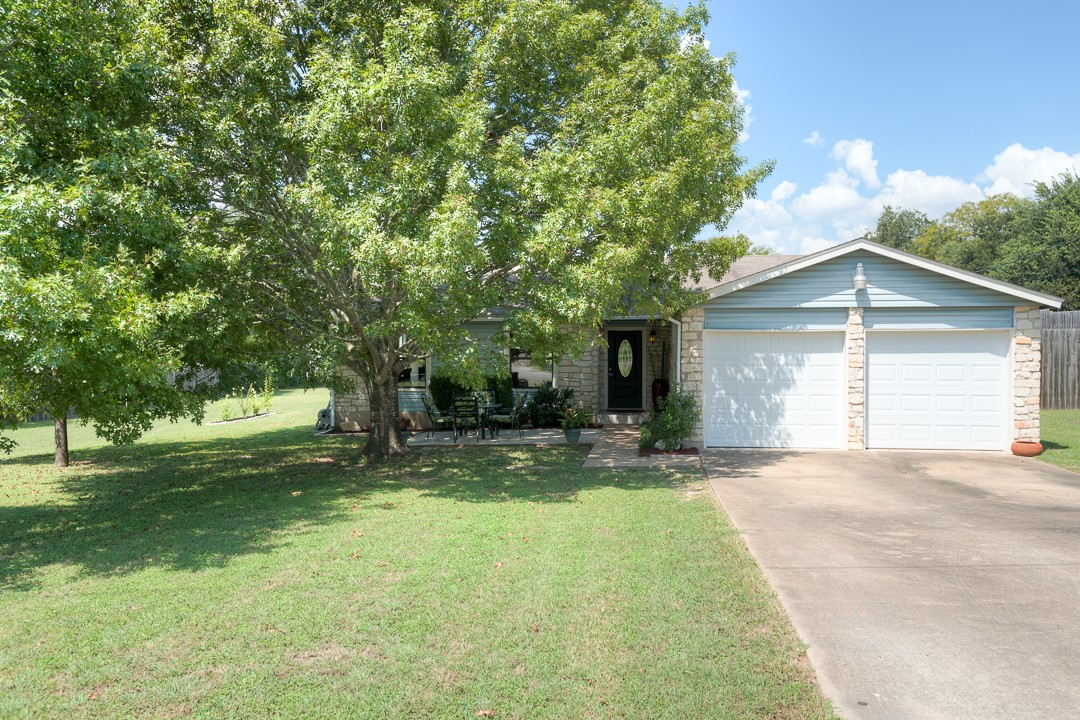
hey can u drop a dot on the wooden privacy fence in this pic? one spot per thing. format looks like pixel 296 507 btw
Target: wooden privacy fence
pixel 1061 360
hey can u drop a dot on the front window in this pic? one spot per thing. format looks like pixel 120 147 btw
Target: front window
pixel 414 376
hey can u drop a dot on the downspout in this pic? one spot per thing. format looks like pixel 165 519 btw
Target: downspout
pixel 678 354
pixel 333 410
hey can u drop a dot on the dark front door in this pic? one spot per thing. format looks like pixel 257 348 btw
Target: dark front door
pixel 625 365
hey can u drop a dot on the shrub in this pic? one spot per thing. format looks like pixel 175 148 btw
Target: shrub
pixel 547 404
pixel 242 401
pixel 443 390
pixel 226 410
pixel 675 418
pixel 267 393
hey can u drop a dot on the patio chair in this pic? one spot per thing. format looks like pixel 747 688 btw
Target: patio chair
pixel 437 420
pixel 466 414
pixel 513 417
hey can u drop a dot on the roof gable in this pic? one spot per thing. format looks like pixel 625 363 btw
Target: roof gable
pixel 941 284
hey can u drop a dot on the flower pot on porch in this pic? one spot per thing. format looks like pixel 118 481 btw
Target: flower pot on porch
pixel 1027 448
pixel 404 436
pixel 572 436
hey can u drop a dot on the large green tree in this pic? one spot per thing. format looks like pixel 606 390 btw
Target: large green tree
pixel 1045 255
pixel 105 306
pixel 899 227
pixel 390 170
pixel 1034 242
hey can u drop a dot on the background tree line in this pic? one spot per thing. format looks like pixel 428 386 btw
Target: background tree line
pixel 1034 242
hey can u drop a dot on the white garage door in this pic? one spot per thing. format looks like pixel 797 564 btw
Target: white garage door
pixel 937 390
pixel 774 389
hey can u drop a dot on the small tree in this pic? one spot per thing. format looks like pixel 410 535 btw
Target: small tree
pixel 106 306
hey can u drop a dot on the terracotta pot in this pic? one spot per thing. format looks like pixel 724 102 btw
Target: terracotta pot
pixel 1027 448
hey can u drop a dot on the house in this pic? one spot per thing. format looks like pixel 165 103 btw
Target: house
pixel 857 346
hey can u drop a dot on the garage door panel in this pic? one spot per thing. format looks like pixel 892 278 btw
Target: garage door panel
pixel 952 404
pixel 939 390
pixel 774 389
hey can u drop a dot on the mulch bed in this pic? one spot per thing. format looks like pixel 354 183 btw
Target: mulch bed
pixel 646 452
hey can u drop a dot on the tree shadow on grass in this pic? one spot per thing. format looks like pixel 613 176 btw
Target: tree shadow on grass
pixel 192 505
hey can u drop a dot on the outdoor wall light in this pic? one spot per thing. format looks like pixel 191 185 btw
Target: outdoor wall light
pixel 858 278
pixel 652 336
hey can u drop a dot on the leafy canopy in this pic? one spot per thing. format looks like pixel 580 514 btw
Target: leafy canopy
pixel 388 172
pixel 104 283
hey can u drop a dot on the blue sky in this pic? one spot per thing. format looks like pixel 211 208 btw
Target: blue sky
pixel 919 104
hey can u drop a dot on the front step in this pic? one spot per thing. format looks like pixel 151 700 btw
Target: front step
pixel 622 418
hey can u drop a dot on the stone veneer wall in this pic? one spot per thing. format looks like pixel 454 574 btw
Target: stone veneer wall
pixel 583 375
pixel 352 411
pixel 692 377
pixel 856 379
pixel 1027 372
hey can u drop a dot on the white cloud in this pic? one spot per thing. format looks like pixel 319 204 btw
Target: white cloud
pixel 933 194
pixel 849 199
pixel 857 157
pixel 783 191
pixel 1016 167
pixel 814 140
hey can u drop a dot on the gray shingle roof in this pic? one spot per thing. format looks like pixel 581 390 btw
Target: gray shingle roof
pixel 745 266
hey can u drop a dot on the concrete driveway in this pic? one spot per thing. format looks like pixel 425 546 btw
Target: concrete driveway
pixel 927 585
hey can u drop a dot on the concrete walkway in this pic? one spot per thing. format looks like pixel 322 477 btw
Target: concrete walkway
pixel 928 586
pixel 617 447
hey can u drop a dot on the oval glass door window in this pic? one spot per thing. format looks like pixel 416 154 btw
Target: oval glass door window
pixel 626 358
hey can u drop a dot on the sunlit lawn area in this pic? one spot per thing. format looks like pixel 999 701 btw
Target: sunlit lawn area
pixel 1061 437
pixel 252 570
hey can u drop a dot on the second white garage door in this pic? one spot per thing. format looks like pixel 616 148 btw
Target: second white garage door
pixel 774 389
pixel 937 390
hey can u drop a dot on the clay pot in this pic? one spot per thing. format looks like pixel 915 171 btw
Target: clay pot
pixel 1027 448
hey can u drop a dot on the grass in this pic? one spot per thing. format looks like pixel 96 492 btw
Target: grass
pixel 252 570
pixel 1061 438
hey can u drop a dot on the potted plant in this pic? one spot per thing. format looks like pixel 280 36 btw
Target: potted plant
pixel 406 423
pixel 573 419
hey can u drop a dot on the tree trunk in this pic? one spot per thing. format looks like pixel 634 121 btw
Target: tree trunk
pixel 60 438
pixel 384 440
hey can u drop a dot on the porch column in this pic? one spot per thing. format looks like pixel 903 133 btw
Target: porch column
pixel 856 379
pixel 1027 373
pixel 692 371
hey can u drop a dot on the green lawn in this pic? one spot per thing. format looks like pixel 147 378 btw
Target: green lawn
pixel 1060 431
pixel 252 570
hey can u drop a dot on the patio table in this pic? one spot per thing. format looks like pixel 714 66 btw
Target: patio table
pixel 487 410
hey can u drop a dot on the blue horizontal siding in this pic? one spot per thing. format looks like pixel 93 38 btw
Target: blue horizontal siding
pixel 775 318
pixel 891 283
pixel 410 399
pixel 938 318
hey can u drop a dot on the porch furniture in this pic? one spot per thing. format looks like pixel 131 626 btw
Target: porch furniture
pixel 466 414
pixel 513 417
pixel 437 420
pixel 487 414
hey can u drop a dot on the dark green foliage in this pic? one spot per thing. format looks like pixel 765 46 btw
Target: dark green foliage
pixel 674 420
pixel 547 405
pixel 1034 243
pixel 443 390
